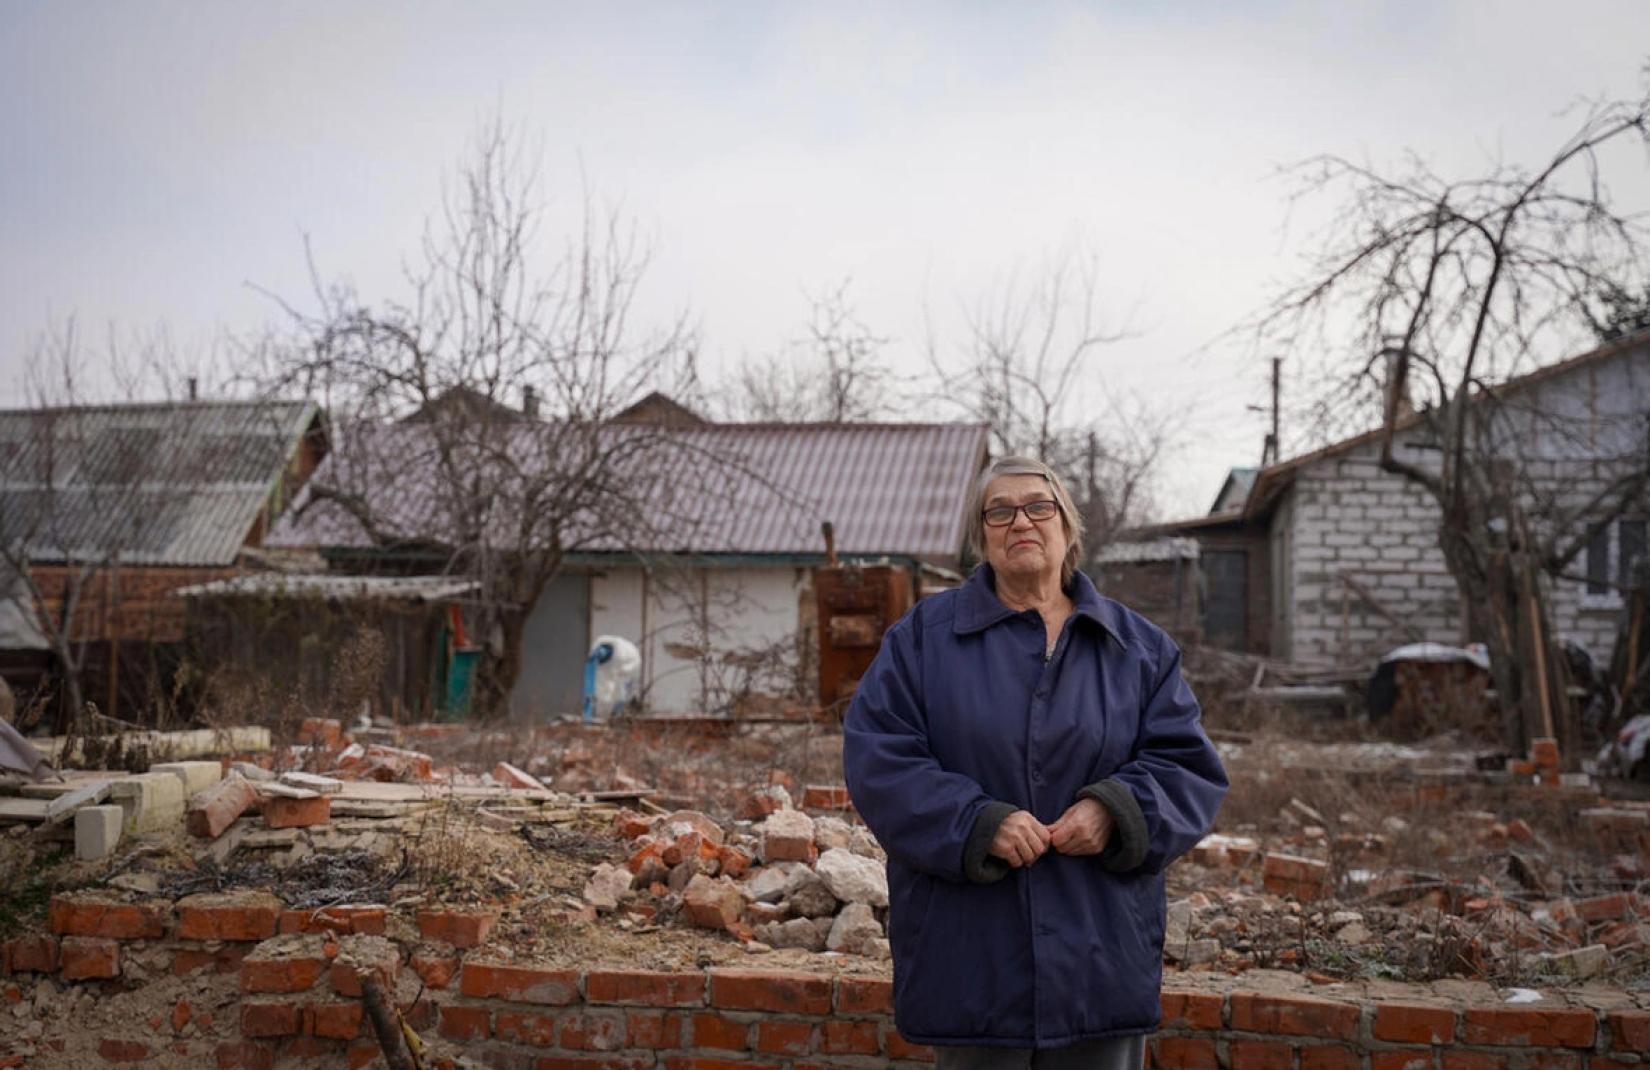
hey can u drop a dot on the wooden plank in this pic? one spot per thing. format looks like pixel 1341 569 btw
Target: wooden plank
pixel 381 791
pixel 14 810
pixel 63 807
pixel 51 789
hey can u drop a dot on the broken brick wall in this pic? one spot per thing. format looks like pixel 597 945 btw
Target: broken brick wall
pixel 290 993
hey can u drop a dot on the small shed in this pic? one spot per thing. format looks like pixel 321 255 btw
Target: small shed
pixel 396 644
pixel 1158 578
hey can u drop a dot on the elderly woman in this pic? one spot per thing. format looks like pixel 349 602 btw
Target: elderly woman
pixel 1031 759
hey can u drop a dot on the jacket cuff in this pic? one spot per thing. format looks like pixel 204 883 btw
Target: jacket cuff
pixel 1129 839
pixel 980 867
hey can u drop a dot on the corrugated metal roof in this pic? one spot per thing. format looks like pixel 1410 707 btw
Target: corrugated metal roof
pixel 1148 550
pixel 164 484
pixel 333 586
pixel 897 489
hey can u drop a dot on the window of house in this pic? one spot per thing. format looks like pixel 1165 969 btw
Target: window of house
pixel 1629 549
pixel 1612 554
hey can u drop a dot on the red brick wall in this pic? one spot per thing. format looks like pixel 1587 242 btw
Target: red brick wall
pixel 303 1002
pixel 145 608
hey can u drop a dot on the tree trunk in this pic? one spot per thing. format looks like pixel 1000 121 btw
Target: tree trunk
pixel 498 676
pixel 1507 611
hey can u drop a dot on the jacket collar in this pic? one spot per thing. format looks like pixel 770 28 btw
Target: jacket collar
pixel 978 606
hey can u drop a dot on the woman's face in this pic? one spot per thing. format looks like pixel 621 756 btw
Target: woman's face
pixel 1023 548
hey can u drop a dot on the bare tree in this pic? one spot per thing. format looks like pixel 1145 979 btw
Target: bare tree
pixel 475 417
pixel 836 374
pixel 1427 295
pixel 1029 367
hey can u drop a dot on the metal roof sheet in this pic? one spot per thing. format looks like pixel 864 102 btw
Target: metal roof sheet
pixel 162 484
pixel 333 586
pixel 763 489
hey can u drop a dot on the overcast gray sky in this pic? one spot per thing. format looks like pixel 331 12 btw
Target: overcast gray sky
pixel 156 158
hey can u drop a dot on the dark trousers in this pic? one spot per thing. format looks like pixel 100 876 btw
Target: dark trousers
pixel 1113 1053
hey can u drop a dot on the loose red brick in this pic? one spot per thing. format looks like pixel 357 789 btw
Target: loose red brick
pixel 645 988
pixel 1259 1055
pixel 215 808
pixel 275 1018
pixel 714 1031
pixel 324 732
pixel 1185 1053
pixel 1414 1023
pixel 30 954
pixel 519 1027
pixel 735 862
pixel 1298 1016
pixel 826 797
pixel 281 812
pixel 87 957
pixel 115 1050
pixel 434 969
pixel 285 964
pixel 108 918
pixel 1304 878
pixel 231 916
pixel 1605 907
pixel 1544 752
pixel 897 1047
pixel 1529 1027
pixel 465 1023
pixel 864 995
pixel 511 777
pixel 778 1037
pixel 524 984
pixel 1402 1059
pixel 839 1036
pixel 1329 1057
pixel 758 990
pixel 340 1020
pixel 460 928
pixel 653 1029
pixel 1629 1030
pixel 598 1031
pixel 1191 1010
pixel 181 1014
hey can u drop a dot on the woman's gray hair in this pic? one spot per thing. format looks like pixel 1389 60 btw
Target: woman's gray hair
pixel 1069 516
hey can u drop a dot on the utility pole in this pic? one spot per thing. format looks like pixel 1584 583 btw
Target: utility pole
pixel 1269 451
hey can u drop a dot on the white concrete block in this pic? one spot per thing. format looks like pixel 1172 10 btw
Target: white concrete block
pixel 96 831
pixel 150 801
pixel 196 776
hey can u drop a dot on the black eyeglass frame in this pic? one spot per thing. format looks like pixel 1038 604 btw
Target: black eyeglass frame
pixel 1013 510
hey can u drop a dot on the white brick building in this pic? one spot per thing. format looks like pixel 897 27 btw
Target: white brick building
pixel 1344 561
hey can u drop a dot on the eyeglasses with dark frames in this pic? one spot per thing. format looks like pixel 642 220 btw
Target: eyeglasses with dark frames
pixel 1001 516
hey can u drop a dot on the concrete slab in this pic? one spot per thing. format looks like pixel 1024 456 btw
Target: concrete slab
pixel 97 831
pixel 196 776
pixel 323 785
pixel 151 802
